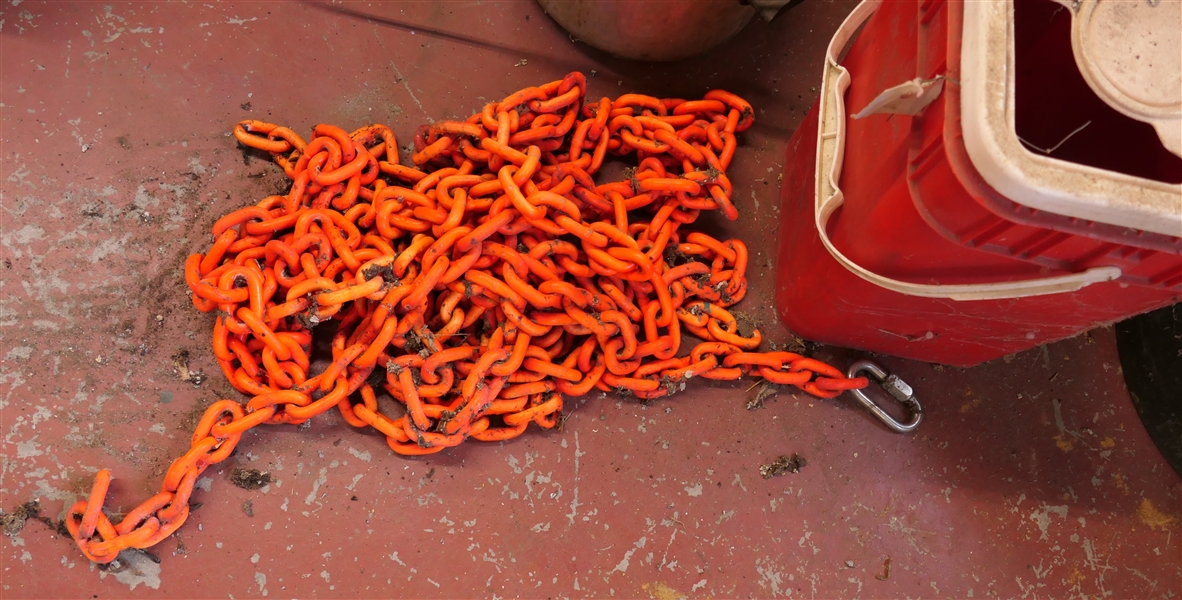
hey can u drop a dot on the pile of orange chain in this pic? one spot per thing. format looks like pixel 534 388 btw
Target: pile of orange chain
pixel 485 282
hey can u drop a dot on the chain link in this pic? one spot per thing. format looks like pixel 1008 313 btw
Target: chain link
pixel 478 286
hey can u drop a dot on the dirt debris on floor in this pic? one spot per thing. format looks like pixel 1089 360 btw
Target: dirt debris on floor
pixel 661 591
pixel 14 522
pixel 747 323
pixel 760 392
pixel 249 479
pixel 180 363
pixel 797 345
pixel 784 464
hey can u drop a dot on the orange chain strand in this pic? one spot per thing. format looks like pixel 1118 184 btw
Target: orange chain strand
pixel 488 280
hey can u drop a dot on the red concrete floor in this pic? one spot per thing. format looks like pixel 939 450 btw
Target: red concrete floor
pixel 1031 476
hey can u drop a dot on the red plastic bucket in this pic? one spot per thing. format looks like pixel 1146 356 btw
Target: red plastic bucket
pixel 924 259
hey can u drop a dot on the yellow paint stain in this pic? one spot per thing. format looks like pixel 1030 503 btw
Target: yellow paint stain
pixel 1063 443
pixel 1119 480
pixel 1075 577
pixel 660 591
pixel 970 405
pixel 1149 515
pixel 1107 442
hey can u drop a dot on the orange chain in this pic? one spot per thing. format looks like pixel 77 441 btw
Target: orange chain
pixel 488 281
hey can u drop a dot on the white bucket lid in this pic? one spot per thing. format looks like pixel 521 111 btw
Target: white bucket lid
pixel 1104 33
pixel 1130 53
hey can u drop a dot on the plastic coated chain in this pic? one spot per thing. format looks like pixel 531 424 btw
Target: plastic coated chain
pixel 477 287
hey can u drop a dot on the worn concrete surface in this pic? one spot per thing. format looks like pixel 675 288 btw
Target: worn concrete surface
pixel 1031 477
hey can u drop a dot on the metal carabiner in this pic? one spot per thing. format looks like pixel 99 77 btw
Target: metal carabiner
pixel 895 387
